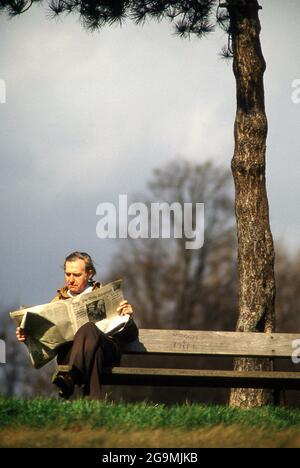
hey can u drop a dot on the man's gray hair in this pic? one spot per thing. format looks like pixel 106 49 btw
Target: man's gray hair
pixel 89 265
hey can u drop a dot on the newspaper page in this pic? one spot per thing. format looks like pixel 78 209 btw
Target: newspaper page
pixel 48 326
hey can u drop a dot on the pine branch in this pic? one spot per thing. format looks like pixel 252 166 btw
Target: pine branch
pixel 189 17
pixel 16 7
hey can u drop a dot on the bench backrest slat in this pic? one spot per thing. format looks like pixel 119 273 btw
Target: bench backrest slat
pixel 214 343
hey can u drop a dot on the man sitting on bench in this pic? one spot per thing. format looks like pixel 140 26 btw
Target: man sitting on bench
pixel 91 349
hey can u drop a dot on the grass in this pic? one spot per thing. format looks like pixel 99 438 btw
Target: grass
pixel 105 424
pixel 47 413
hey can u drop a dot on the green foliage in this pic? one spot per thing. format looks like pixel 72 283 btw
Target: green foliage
pixel 41 413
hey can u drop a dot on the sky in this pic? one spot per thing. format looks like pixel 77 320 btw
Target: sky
pixel 88 116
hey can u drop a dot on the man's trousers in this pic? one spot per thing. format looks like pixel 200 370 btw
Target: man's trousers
pixel 90 351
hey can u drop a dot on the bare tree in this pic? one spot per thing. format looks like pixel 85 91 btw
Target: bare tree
pixel 172 286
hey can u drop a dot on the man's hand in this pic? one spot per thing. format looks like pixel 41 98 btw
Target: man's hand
pixel 125 308
pixel 21 334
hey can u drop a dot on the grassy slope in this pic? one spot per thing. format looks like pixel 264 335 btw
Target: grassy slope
pixel 41 422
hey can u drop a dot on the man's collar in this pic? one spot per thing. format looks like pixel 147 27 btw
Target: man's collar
pixel 63 292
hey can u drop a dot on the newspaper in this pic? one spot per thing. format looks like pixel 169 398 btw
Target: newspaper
pixel 48 326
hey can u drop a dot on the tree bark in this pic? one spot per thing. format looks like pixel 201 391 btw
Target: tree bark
pixel 255 242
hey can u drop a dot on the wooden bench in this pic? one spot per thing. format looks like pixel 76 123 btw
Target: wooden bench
pixel 207 343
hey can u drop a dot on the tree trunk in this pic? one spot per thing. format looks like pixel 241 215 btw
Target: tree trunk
pixel 255 242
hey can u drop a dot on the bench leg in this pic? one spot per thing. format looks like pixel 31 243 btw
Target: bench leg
pixel 279 397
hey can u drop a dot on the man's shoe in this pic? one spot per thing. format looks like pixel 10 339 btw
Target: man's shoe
pixel 65 383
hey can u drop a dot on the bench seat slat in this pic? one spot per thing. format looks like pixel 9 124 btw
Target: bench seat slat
pixel 182 342
pixel 203 378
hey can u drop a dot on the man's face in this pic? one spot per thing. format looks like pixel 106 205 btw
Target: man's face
pixel 76 278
